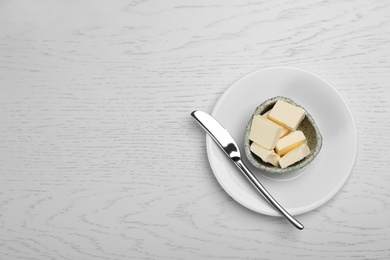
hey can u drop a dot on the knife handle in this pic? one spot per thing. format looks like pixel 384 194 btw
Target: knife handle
pixel 252 178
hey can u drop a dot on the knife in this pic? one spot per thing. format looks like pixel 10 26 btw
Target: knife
pixel 226 142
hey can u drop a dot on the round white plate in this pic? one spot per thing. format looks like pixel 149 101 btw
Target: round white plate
pixel 309 188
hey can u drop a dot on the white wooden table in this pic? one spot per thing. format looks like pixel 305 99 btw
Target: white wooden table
pixel 100 159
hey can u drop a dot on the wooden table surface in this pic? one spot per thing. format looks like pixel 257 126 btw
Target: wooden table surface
pixel 100 159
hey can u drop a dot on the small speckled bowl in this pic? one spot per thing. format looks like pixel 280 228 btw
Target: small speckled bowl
pixel 307 126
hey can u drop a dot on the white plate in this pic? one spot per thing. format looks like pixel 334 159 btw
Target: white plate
pixel 311 187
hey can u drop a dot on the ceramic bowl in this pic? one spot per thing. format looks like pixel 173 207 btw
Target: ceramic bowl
pixel 307 126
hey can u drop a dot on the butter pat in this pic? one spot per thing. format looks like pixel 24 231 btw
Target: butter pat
pixel 266 114
pixel 289 142
pixel 266 155
pixel 264 132
pixel 294 156
pixel 285 131
pixel 287 115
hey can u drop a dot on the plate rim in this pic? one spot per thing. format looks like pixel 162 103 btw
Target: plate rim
pixel 312 206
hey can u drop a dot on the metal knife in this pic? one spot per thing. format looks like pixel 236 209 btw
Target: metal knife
pixel 222 137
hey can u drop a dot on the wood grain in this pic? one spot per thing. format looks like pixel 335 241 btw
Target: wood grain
pixel 99 158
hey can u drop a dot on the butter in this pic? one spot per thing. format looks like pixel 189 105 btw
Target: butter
pixel 266 114
pixel 264 132
pixel 285 131
pixel 289 142
pixel 294 156
pixel 287 115
pixel 266 155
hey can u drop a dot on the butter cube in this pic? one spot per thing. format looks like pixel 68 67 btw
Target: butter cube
pixel 264 132
pixel 285 131
pixel 289 142
pixel 268 156
pixel 294 155
pixel 287 115
pixel 266 114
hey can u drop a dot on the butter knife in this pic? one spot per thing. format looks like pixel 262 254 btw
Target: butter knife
pixel 226 142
